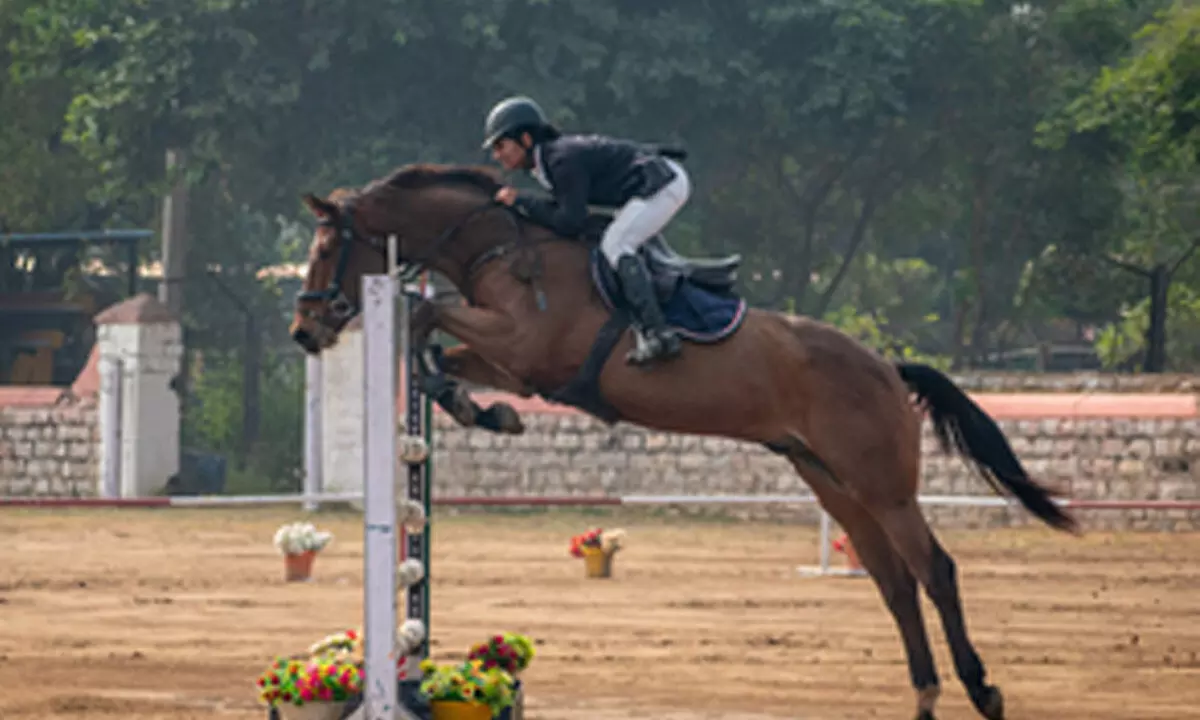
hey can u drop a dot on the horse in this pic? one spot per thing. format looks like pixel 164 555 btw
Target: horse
pixel 534 320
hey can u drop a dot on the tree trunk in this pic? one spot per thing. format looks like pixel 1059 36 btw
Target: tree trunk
pixel 1156 334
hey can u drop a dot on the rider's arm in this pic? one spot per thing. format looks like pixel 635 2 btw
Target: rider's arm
pixel 567 213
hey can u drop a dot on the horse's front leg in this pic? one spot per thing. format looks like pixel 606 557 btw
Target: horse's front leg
pixel 438 366
pixel 464 363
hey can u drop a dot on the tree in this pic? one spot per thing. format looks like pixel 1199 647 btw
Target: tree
pixel 1147 109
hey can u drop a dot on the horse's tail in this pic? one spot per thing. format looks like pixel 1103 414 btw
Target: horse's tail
pixel 962 425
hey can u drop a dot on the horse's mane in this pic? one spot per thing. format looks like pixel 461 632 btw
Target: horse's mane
pixel 424 175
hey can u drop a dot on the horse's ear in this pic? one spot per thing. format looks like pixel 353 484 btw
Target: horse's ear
pixel 323 209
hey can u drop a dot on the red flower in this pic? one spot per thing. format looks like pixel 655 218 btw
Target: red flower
pixel 351 634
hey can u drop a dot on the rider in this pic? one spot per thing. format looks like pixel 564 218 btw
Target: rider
pixel 648 187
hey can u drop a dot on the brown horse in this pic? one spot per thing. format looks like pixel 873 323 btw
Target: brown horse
pixel 534 323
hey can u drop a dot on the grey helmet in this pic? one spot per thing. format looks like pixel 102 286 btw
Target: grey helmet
pixel 510 114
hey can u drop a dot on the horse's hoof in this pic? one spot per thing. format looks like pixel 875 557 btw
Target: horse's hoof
pixel 989 702
pixel 462 408
pixel 507 420
pixel 927 697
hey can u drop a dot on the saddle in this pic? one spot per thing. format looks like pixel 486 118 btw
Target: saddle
pixel 667 267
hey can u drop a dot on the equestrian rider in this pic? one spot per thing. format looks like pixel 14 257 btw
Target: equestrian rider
pixel 647 187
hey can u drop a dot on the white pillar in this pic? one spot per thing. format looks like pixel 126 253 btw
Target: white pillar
pixel 342 425
pixel 313 480
pixel 147 341
pixel 109 369
pixel 380 698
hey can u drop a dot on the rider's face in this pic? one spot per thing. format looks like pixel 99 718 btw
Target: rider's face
pixel 510 153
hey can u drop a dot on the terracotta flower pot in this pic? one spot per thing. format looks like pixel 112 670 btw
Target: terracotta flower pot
pixel 298 567
pixel 458 710
pixel 597 563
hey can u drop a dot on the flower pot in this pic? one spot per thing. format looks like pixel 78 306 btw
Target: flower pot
pixel 516 711
pixel 458 710
pixel 298 567
pixel 597 563
pixel 313 711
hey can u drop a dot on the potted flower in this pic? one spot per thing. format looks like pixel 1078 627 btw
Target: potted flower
pixel 597 549
pixel 316 689
pixel 466 691
pixel 299 543
pixel 511 653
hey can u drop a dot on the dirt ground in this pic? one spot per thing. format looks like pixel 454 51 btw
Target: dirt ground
pixel 142 614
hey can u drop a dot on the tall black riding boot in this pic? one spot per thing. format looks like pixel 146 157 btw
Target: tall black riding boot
pixel 655 341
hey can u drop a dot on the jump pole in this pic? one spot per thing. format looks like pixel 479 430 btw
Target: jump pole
pixel 381 696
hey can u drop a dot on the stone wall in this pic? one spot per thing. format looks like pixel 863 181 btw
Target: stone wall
pixel 49 451
pixel 52 450
pixel 569 454
pixel 1082 382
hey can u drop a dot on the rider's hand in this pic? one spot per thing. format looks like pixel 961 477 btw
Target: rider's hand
pixel 506 195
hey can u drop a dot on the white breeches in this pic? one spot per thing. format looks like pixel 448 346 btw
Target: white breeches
pixel 642 218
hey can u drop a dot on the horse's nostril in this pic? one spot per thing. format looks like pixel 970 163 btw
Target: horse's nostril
pixel 305 340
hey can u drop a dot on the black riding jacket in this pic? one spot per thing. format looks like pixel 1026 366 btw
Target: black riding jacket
pixel 584 170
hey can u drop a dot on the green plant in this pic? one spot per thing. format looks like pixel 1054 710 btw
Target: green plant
pixel 468 682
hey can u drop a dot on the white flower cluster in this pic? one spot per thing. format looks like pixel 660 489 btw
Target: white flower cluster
pixel 299 537
pixel 335 644
pixel 410 514
pixel 409 637
pixel 612 540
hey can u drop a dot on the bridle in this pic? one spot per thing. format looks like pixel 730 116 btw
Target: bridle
pixel 340 308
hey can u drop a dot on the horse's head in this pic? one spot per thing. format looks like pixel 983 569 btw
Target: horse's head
pixel 341 252
pixel 423 206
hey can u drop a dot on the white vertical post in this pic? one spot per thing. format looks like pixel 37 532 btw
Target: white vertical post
pixel 380 696
pixel 825 549
pixel 110 426
pixel 314 482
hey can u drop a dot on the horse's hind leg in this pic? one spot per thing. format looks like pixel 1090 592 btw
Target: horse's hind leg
pixel 934 568
pixel 896 584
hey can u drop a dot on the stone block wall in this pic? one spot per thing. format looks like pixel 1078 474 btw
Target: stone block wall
pixel 49 451
pixel 569 454
pixel 52 450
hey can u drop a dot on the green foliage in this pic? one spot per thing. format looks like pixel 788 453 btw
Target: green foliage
pixel 870 328
pixel 215 417
pixel 1151 99
pixel 1119 344
pixel 927 154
